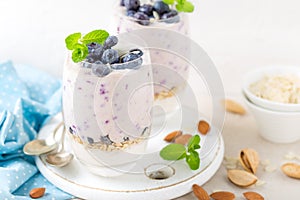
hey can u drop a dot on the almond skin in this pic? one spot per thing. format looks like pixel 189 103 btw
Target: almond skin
pixel 241 178
pixel 171 136
pixel 222 195
pixel 253 196
pixel 37 192
pixel 203 127
pixel 291 169
pixel 234 107
pixel 200 193
pixel 183 139
pixel 249 159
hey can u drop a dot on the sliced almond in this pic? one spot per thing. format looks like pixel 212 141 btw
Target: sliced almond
pixel 203 127
pixel 171 136
pixel 253 196
pixel 291 169
pixel 234 107
pixel 37 193
pixel 249 159
pixel 241 178
pixel 222 195
pixel 183 139
pixel 200 193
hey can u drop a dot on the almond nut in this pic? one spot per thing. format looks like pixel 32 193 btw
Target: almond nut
pixel 253 196
pixel 203 127
pixel 249 159
pixel 183 139
pixel 37 193
pixel 234 107
pixel 222 195
pixel 200 193
pixel 171 136
pixel 241 178
pixel 291 169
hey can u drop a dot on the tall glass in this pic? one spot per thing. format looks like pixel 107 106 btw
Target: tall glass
pixel 163 62
pixel 107 117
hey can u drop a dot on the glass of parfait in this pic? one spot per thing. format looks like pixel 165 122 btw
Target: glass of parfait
pixel 107 98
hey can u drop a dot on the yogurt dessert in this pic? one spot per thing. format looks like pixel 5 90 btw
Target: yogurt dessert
pixel 106 101
pixel 135 14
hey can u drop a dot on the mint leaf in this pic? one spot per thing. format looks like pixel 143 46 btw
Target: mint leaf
pixel 98 36
pixel 193 160
pixel 170 2
pixel 79 53
pixel 194 142
pixel 185 6
pixel 72 40
pixel 173 152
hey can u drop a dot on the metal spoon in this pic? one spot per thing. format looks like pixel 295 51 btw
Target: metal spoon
pixel 41 146
pixel 60 158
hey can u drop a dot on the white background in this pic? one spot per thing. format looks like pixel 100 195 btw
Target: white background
pixel 238 35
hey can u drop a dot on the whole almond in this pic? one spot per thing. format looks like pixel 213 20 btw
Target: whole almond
pixel 241 178
pixel 37 193
pixel 253 196
pixel 183 139
pixel 200 193
pixel 234 107
pixel 171 136
pixel 222 195
pixel 203 127
pixel 249 159
pixel 291 169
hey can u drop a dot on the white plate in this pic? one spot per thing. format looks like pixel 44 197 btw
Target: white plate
pixel 78 181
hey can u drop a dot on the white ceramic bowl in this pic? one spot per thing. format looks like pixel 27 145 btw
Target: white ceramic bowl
pixel 276 126
pixel 257 75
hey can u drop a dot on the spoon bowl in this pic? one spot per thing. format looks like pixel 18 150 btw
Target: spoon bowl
pixel 59 159
pixel 37 147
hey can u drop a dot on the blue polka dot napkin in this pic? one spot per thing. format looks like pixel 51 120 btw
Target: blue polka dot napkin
pixel 28 98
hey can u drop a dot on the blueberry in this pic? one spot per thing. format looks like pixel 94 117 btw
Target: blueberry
pixel 130 13
pixel 122 3
pixel 106 140
pixel 90 140
pixel 109 56
pixel 90 58
pixel 147 9
pixel 98 52
pixel 132 4
pixel 171 17
pixel 161 8
pixel 142 18
pixel 110 42
pixel 100 70
pixel 92 46
pixel 98 62
pixel 132 55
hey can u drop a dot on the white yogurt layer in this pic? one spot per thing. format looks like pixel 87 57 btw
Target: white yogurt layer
pixel 279 88
pixel 110 109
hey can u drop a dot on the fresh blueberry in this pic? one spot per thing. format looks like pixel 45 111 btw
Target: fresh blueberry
pixel 90 58
pixel 109 56
pixel 147 9
pixel 122 3
pixel 100 70
pixel 92 46
pixel 132 55
pixel 132 4
pixel 130 13
pixel 110 42
pixel 98 52
pixel 90 140
pixel 98 62
pixel 160 7
pixel 171 17
pixel 142 18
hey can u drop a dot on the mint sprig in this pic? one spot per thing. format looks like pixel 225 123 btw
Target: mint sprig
pixel 78 44
pixel 181 5
pixel 179 151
